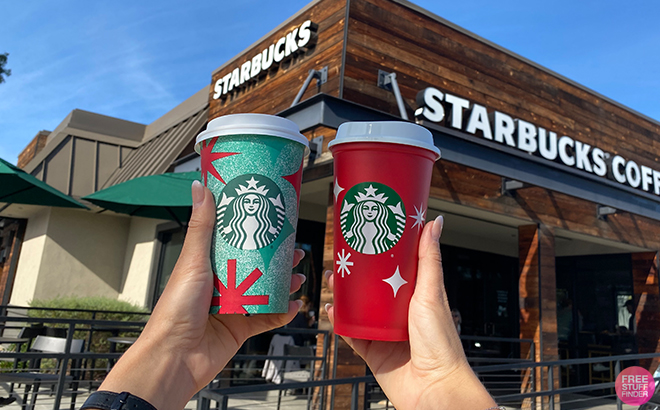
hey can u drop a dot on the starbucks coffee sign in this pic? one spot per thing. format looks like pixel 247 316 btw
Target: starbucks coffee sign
pixel 462 114
pixel 297 40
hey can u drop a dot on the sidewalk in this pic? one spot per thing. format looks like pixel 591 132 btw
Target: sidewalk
pixel 268 401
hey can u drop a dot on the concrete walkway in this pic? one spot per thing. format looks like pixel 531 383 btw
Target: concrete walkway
pixel 268 401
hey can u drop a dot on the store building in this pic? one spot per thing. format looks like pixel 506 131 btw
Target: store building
pixel 550 191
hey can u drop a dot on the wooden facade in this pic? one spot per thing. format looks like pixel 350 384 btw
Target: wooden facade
pixel 357 38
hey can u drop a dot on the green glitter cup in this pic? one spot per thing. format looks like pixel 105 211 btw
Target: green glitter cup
pixel 252 163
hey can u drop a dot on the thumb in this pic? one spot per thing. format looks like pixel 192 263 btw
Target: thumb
pixel 429 272
pixel 197 246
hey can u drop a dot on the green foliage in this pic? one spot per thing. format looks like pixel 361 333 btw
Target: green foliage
pixel 126 311
pixel 4 72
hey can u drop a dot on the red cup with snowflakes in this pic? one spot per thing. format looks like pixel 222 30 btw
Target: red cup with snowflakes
pixel 382 180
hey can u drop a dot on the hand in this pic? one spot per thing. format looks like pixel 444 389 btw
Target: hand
pixel 430 371
pixel 182 347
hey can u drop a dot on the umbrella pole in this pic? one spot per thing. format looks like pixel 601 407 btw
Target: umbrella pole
pixel 16 192
pixel 176 218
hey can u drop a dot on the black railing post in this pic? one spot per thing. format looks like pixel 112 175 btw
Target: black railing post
pixel 64 365
pixel 334 369
pixel 617 370
pixel 532 352
pixel 355 394
pixel 551 387
pixel 324 368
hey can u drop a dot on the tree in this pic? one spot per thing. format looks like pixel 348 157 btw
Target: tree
pixel 4 72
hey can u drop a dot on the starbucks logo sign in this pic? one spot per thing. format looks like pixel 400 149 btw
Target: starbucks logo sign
pixel 372 218
pixel 251 212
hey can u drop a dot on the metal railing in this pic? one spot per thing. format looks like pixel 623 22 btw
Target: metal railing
pixel 540 391
pixel 222 395
pixel 549 370
pixel 66 359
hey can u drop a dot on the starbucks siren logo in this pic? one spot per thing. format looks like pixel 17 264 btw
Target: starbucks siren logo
pixel 372 218
pixel 250 213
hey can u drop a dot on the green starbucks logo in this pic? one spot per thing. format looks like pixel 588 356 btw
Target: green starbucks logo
pixel 251 212
pixel 372 218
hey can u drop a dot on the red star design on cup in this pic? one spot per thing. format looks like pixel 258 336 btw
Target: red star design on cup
pixel 232 297
pixel 207 160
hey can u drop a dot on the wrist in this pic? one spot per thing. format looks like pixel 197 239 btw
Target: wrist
pixel 461 390
pixel 150 372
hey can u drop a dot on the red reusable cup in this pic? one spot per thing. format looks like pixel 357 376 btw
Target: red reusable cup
pixel 382 180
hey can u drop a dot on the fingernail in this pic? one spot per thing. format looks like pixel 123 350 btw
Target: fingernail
pixel 299 303
pixel 436 231
pixel 303 277
pixel 328 306
pixel 197 193
pixel 327 274
pixel 300 252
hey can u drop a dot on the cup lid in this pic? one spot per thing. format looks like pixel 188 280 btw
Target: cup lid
pixel 395 132
pixel 254 124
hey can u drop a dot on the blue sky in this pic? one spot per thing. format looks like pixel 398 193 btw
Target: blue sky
pixel 137 60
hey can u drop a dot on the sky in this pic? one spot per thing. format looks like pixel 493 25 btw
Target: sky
pixel 137 60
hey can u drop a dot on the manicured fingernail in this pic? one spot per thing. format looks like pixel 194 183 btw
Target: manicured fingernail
pixel 327 274
pixel 328 306
pixel 197 193
pixel 303 278
pixel 436 231
pixel 300 252
pixel 299 303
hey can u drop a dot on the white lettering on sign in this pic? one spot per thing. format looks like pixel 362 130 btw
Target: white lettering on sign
pixel 299 39
pixel 457 112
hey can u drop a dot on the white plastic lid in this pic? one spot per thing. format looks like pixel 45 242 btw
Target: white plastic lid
pixel 252 124
pixel 395 132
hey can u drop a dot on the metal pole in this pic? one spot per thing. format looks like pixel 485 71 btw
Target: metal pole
pixel 532 351
pixel 310 77
pixel 617 370
pixel 355 393
pixel 324 362
pixel 334 371
pixel 397 95
pixel 551 387
pixel 64 365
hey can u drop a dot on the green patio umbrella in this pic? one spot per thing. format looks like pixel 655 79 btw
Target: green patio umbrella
pixel 19 187
pixel 163 196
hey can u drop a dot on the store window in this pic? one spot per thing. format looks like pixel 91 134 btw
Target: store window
pixel 171 243
pixel 483 287
pixel 593 317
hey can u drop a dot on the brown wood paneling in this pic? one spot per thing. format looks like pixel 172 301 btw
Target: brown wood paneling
pixel 276 91
pixel 647 302
pixel 424 52
pixel 349 364
pixel 468 186
pixel 538 297
pixel 32 149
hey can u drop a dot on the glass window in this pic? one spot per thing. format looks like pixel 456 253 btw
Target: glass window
pixel 171 244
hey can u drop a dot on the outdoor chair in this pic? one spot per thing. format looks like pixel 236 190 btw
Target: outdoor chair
pixel 306 372
pixel 35 377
